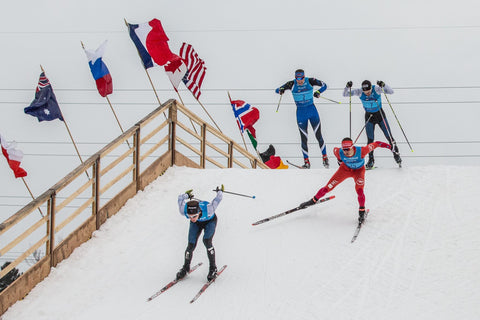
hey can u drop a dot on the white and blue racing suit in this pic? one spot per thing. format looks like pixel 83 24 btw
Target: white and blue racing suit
pixel 206 222
pixel 374 113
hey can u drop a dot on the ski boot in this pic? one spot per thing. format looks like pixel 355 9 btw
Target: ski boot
pixel 212 273
pixel 397 158
pixel 370 163
pixel 325 161
pixel 361 214
pixel 306 165
pixel 183 272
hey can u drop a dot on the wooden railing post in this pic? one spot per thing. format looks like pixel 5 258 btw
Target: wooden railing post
pixel 203 146
pixel 136 158
pixel 51 226
pixel 230 154
pixel 172 118
pixel 96 192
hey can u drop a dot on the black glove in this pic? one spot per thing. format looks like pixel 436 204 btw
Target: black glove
pixel 349 84
pixel 189 193
pixel 281 91
pixel 305 204
pixel 316 94
pixel 220 189
pixel 381 84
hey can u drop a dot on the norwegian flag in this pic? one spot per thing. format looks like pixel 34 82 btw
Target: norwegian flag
pixel 193 79
pixel 246 115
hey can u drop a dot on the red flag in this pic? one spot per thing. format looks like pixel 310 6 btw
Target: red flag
pixel 157 44
pixel 151 42
pixel 193 79
pixel 14 157
pixel 276 163
pixel 175 70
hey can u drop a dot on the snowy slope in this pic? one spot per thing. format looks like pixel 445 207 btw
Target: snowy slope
pixel 426 51
pixel 417 256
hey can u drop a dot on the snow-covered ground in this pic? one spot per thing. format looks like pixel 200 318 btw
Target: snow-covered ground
pixel 416 257
pixel 426 51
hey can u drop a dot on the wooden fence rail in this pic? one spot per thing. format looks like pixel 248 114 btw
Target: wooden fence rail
pixel 87 204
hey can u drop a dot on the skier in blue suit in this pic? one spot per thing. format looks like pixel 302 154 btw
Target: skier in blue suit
pixel 202 217
pixel 371 99
pixel 303 93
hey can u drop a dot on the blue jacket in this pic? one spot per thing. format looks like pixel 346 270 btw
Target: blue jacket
pixel 303 94
pixel 207 208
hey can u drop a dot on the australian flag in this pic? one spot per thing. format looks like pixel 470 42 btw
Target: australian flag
pixel 44 106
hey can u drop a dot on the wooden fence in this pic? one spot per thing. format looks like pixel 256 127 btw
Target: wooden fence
pixel 79 204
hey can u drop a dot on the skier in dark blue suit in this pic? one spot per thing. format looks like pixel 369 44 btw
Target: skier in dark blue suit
pixel 202 217
pixel 303 93
pixel 371 99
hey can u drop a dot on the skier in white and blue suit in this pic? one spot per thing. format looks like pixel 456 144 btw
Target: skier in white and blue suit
pixel 303 93
pixel 202 217
pixel 371 99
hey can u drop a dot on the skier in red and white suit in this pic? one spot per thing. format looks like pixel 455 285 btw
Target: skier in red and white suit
pixel 352 165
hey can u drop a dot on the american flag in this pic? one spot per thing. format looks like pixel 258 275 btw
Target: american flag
pixel 195 69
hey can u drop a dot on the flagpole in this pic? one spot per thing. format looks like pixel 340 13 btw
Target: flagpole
pixel 209 115
pixel 230 98
pixel 153 87
pixel 110 104
pixel 241 134
pixel 111 107
pixel 69 133
pixel 181 100
pixel 75 145
pixel 31 194
pixel 148 75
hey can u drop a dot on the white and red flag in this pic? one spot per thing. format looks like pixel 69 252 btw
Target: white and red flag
pixel 14 157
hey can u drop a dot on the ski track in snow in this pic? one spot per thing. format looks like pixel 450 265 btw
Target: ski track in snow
pixel 415 257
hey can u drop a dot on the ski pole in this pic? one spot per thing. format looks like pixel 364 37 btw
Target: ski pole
pixel 330 100
pixel 362 129
pixel 397 119
pixel 350 112
pixel 279 102
pixel 238 194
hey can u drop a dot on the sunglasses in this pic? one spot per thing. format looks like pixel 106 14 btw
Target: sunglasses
pixel 191 216
pixel 300 78
pixel 346 149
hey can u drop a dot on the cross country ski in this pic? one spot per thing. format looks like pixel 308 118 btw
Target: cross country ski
pixel 359 226
pixel 206 285
pixel 172 283
pixel 288 212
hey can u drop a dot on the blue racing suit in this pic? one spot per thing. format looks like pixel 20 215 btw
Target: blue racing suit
pixel 206 222
pixel 306 110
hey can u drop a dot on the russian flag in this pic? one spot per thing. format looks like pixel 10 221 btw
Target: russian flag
pixel 151 42
pixel 14 157
pixel 99 70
